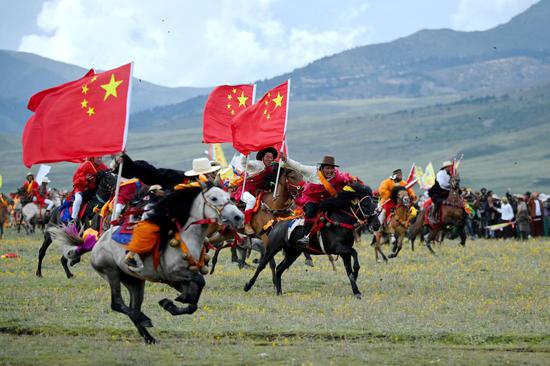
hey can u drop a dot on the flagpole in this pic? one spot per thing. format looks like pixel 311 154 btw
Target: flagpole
pixel 117 189
pixel 246 163
pixel 284 139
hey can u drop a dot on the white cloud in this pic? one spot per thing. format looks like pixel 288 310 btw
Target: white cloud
pixel 482 14
pixel 183 42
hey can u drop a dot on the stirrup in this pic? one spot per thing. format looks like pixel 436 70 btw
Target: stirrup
pixel 303 241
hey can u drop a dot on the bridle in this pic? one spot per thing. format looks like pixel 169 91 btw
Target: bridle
pixel 359 210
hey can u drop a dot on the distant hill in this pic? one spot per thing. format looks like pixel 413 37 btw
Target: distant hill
pixel 23 74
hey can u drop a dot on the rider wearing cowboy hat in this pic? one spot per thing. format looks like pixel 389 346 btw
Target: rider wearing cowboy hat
pixel 323 181
pixel 202 170
pixel 441 188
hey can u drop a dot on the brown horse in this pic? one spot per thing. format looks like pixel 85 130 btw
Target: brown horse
pixel 271 208
pixel 397 225
pixel 451 214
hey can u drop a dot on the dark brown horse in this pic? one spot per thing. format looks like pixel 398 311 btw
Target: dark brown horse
pixel 4 212
pixel 451 214
pixel 337 236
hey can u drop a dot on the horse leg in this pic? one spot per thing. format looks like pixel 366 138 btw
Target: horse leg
pixel 64 262
pixel 332 262
pixel 272 250
pixel 356 265
pixel 118 305
pixel 42 252
pixel 215 260
pixel 431 236
pixel 309 260
pixel 190 292
pixel 462 235
pixel 136 288
pixel 290 256
pixel 346 258
pixel 378 248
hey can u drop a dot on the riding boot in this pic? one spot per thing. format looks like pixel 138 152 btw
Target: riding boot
pixel 130 260
pixel 307 229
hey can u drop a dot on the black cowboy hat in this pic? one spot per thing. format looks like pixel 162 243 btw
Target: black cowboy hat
pixel 397 171
pixel 260 155
pixel 328 160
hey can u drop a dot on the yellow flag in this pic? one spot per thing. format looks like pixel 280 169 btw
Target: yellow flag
pixel 430 174
pixel 216 153
pixel 0 181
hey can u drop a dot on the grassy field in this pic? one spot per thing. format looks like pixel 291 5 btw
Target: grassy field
pixel 487 303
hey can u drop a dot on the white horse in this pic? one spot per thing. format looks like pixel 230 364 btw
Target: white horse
pixel 177 268
pixel 32 215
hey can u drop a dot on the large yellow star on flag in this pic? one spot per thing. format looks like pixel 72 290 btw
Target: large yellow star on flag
pixel 278 100
pixel 110 89
pixel 242 100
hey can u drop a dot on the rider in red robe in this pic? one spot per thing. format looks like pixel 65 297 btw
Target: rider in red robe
pixel 30 188
pixel 323 182
pixel 84 178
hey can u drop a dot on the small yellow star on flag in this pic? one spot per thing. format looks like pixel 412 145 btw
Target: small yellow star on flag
pixel 84 103
pixel 91 111
pixel 85 89
pixel 234 91
pixel 229 96
pixel 110 89
pixel 93 79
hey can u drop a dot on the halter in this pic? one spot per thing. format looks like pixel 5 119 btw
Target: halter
pixel 360 209
pixel 218 208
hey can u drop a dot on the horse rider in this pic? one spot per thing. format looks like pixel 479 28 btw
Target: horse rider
pixel 322 181
pixel 385 190
pixel 441 188
pixel 84 178
pixel 43 196
pixel 259 173
pixel 29 188
pixel 203 170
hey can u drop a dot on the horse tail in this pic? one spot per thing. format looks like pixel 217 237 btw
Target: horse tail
pixel 67 238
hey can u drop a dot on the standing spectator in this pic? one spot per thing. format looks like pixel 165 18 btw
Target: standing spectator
pixel 536 212
pixel 506 216
pixel 522 218
pixel 546 205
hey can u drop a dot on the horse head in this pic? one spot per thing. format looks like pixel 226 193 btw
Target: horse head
pixel 291 180
pixel 106 182
pixel 365 206
pixel 218 207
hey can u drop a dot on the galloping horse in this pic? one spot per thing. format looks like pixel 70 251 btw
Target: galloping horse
pixel 271 208
pixel 344 212
pixel 451 214
pixel 106 182
pixel 397 225
pixel 179 261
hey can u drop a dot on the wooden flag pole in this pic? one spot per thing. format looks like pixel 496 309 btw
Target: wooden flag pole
pixel 117 189
pixel 284 139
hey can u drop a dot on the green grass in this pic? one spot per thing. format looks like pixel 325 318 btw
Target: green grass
pixel 484 304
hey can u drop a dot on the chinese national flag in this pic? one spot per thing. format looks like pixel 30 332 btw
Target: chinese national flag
pixel 224 103
pixel 262 124
pixel 82 118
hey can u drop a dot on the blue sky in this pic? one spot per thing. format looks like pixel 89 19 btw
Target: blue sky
pixel 192 43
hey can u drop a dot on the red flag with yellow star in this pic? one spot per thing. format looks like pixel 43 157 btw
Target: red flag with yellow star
pixel 82 118
pixel 264 123
pixel 224 103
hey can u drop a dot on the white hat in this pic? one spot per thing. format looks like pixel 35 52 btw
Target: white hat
pixel 30 173
pixel 201 166
pixel 446 164
pixel 46 180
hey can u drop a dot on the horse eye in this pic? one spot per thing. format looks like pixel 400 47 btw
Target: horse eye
pixel 214 199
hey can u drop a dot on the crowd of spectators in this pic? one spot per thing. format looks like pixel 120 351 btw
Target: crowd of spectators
pixel 527 215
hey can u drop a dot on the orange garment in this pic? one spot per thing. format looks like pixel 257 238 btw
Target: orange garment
pixel 145 237
pixel 384 191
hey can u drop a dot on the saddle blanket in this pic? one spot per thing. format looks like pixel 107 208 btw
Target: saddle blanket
pixel 295 223
pixel 121 236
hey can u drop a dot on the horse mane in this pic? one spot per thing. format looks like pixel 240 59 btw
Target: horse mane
pixel 395 192
pixel 175 206
pixel 344 198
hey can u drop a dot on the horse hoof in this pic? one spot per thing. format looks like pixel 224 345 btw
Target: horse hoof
pixel 247 287
pixel 150 340
pixel 38 274
pixel 309 263
pixel 165 303
pixel 358 296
